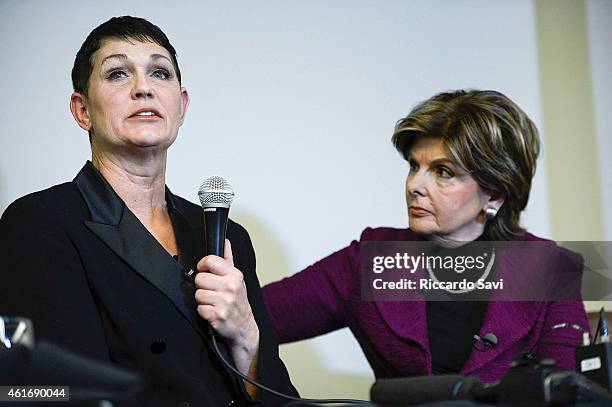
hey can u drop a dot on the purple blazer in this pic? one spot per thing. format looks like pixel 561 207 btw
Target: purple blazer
pixel 393 334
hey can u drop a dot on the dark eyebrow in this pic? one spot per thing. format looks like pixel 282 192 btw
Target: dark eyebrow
pixel 439 161
pixel 158 56
pixel 124 57
pixel 119 56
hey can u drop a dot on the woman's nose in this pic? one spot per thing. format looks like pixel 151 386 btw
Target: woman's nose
pixel 416 184
pixel 142 89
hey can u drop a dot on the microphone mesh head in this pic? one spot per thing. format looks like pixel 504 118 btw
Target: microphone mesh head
pixel 216 192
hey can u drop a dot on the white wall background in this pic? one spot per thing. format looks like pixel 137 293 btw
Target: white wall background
pixel 599 17
pixel 294 102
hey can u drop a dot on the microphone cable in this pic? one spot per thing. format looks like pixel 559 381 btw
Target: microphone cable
pixel 277 393
pixel 216 195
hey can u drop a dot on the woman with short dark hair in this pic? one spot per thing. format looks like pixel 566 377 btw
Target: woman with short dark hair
pixel 98 263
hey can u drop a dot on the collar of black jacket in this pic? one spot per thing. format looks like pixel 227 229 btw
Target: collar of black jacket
pixel 105 206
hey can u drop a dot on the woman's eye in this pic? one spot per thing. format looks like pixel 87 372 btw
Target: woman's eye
pixel 413 166
pixel 117 74
pixel 161 74
pixel 444 172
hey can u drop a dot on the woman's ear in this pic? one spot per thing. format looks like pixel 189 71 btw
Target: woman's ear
pixel 184 105
pixel 496 200
pixel 492 206
pixel 78 108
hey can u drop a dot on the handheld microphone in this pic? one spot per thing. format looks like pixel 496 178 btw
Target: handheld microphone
pixel 216 195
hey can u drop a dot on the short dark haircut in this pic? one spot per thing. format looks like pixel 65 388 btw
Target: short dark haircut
pixel 125 28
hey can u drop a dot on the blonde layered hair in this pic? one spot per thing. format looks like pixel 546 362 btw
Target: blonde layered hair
pixel 487 135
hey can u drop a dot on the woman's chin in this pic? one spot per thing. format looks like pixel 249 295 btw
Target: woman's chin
pixel 149 138
pixel 423 228
pixel 151 142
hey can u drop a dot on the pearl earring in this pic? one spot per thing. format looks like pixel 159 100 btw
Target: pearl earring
pixel 490 213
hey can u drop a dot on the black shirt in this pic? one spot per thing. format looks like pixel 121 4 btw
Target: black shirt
pixel 451 329
pixel 453 323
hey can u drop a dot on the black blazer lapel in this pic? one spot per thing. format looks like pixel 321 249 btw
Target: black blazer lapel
pixel 189 234
pixel 122 232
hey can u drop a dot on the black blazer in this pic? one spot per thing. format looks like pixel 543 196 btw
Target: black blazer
pixel 77 261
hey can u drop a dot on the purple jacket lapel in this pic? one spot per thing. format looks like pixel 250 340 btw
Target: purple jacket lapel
pixel 407 319
pixel 509 321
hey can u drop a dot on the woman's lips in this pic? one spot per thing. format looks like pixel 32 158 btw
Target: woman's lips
pixel 418 211
pixel 144 118
pixel 145 114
